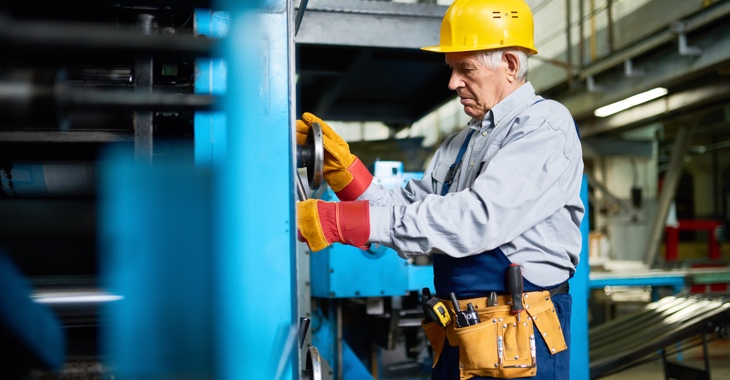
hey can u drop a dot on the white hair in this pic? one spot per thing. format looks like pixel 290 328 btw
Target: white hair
pixel 491 58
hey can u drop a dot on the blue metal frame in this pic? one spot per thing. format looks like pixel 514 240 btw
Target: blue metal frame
pixel 210 78
pixel 342 271
pixel 254 193
pixel 32 335
pixel 156 255
pixel 579 290
pixel 676 281
pixel 204 256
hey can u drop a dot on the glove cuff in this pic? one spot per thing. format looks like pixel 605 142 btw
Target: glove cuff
pixel 354 222
pixel 361 179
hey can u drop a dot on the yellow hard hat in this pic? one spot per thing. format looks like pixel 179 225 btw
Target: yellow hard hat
pixel 470 25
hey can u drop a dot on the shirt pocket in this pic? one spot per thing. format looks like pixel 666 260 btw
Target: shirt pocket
pixel 438 177
pixel 492 150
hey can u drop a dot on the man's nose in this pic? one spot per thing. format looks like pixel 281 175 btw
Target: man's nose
pixel 455 81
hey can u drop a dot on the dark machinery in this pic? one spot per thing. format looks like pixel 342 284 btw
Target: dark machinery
pixel 75 78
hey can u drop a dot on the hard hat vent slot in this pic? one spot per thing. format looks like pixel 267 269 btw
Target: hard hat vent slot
pixel 497 14
pixel 514 14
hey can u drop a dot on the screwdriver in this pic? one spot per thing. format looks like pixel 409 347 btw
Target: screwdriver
pixel 516 287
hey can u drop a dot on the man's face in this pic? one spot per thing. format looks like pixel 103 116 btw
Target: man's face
pixel 479 87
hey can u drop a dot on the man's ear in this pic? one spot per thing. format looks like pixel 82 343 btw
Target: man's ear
pixel 512 65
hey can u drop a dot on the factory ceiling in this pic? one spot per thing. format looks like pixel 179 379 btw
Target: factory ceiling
pixel 360 60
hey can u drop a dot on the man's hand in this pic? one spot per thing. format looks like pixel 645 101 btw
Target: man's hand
pixel 321 223
pixel 343 171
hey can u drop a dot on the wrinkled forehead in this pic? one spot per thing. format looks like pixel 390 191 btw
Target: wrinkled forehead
pixel 457 58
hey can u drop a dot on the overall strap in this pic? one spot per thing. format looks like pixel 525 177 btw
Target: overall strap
pixel 451 174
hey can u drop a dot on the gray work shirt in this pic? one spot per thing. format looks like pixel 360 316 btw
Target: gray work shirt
pixel 518 188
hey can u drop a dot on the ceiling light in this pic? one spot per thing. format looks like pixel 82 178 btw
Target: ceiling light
pixel 75 298
pixel 630 102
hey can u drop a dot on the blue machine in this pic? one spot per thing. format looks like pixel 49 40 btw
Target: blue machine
pixel 342 271
pixel 204 260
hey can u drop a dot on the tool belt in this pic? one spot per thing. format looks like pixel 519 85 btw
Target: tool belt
pixel 500 346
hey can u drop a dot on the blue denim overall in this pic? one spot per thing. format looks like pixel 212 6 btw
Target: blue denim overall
pixel 477 276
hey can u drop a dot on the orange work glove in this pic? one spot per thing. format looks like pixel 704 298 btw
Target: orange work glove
pixel 343 171
pixel 321 223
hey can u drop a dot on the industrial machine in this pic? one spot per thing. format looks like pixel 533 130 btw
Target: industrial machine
pixel 76 78
pixel 367 303
pixel 146 185
pixel 121 178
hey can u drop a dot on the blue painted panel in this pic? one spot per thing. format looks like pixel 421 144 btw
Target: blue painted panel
pixel 210 78
pixel 32 336
pixel 419 277
pixel 579 289
pixel 324 338
pixel 254 197
pixel 342 271
pixel 155 253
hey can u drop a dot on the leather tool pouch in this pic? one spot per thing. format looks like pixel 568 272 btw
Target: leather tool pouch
pixel 437 337
pixel 500 346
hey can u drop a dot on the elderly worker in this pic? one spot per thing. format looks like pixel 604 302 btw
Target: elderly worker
pixel 503 192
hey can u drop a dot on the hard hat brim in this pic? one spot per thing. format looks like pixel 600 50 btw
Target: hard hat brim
pixel 446 49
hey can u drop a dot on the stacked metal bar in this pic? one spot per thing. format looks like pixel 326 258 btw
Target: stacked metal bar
pixel 655 331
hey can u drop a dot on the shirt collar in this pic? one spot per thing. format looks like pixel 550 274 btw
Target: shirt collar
pixel 517 98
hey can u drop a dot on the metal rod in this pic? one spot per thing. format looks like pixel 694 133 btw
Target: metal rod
pixel 300 15
pixel 339 338
pixel 569 41
pixel 143 119
pixel 17 98
pixel 52 37
pixel 70 98
pixel 301 192
pixel 581 35
pixel 681 145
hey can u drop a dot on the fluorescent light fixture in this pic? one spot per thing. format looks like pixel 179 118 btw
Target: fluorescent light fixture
pixel 630 102
pixel 76 298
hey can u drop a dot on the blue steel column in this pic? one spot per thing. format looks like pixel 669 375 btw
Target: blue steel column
pixel 255 268
pixel 210 78
pixel 579 289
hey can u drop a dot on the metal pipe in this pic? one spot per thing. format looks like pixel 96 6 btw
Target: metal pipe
pixel 569 41
pixel 76 98
pixel 143 84
pixel 52 37
pixel 581 31
pixel 300 15
pixel 609 9
pixel 598 185
pixel 23 101
pixel 594 53
pixel 301 192
pixel 718 12
pixel 681 145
